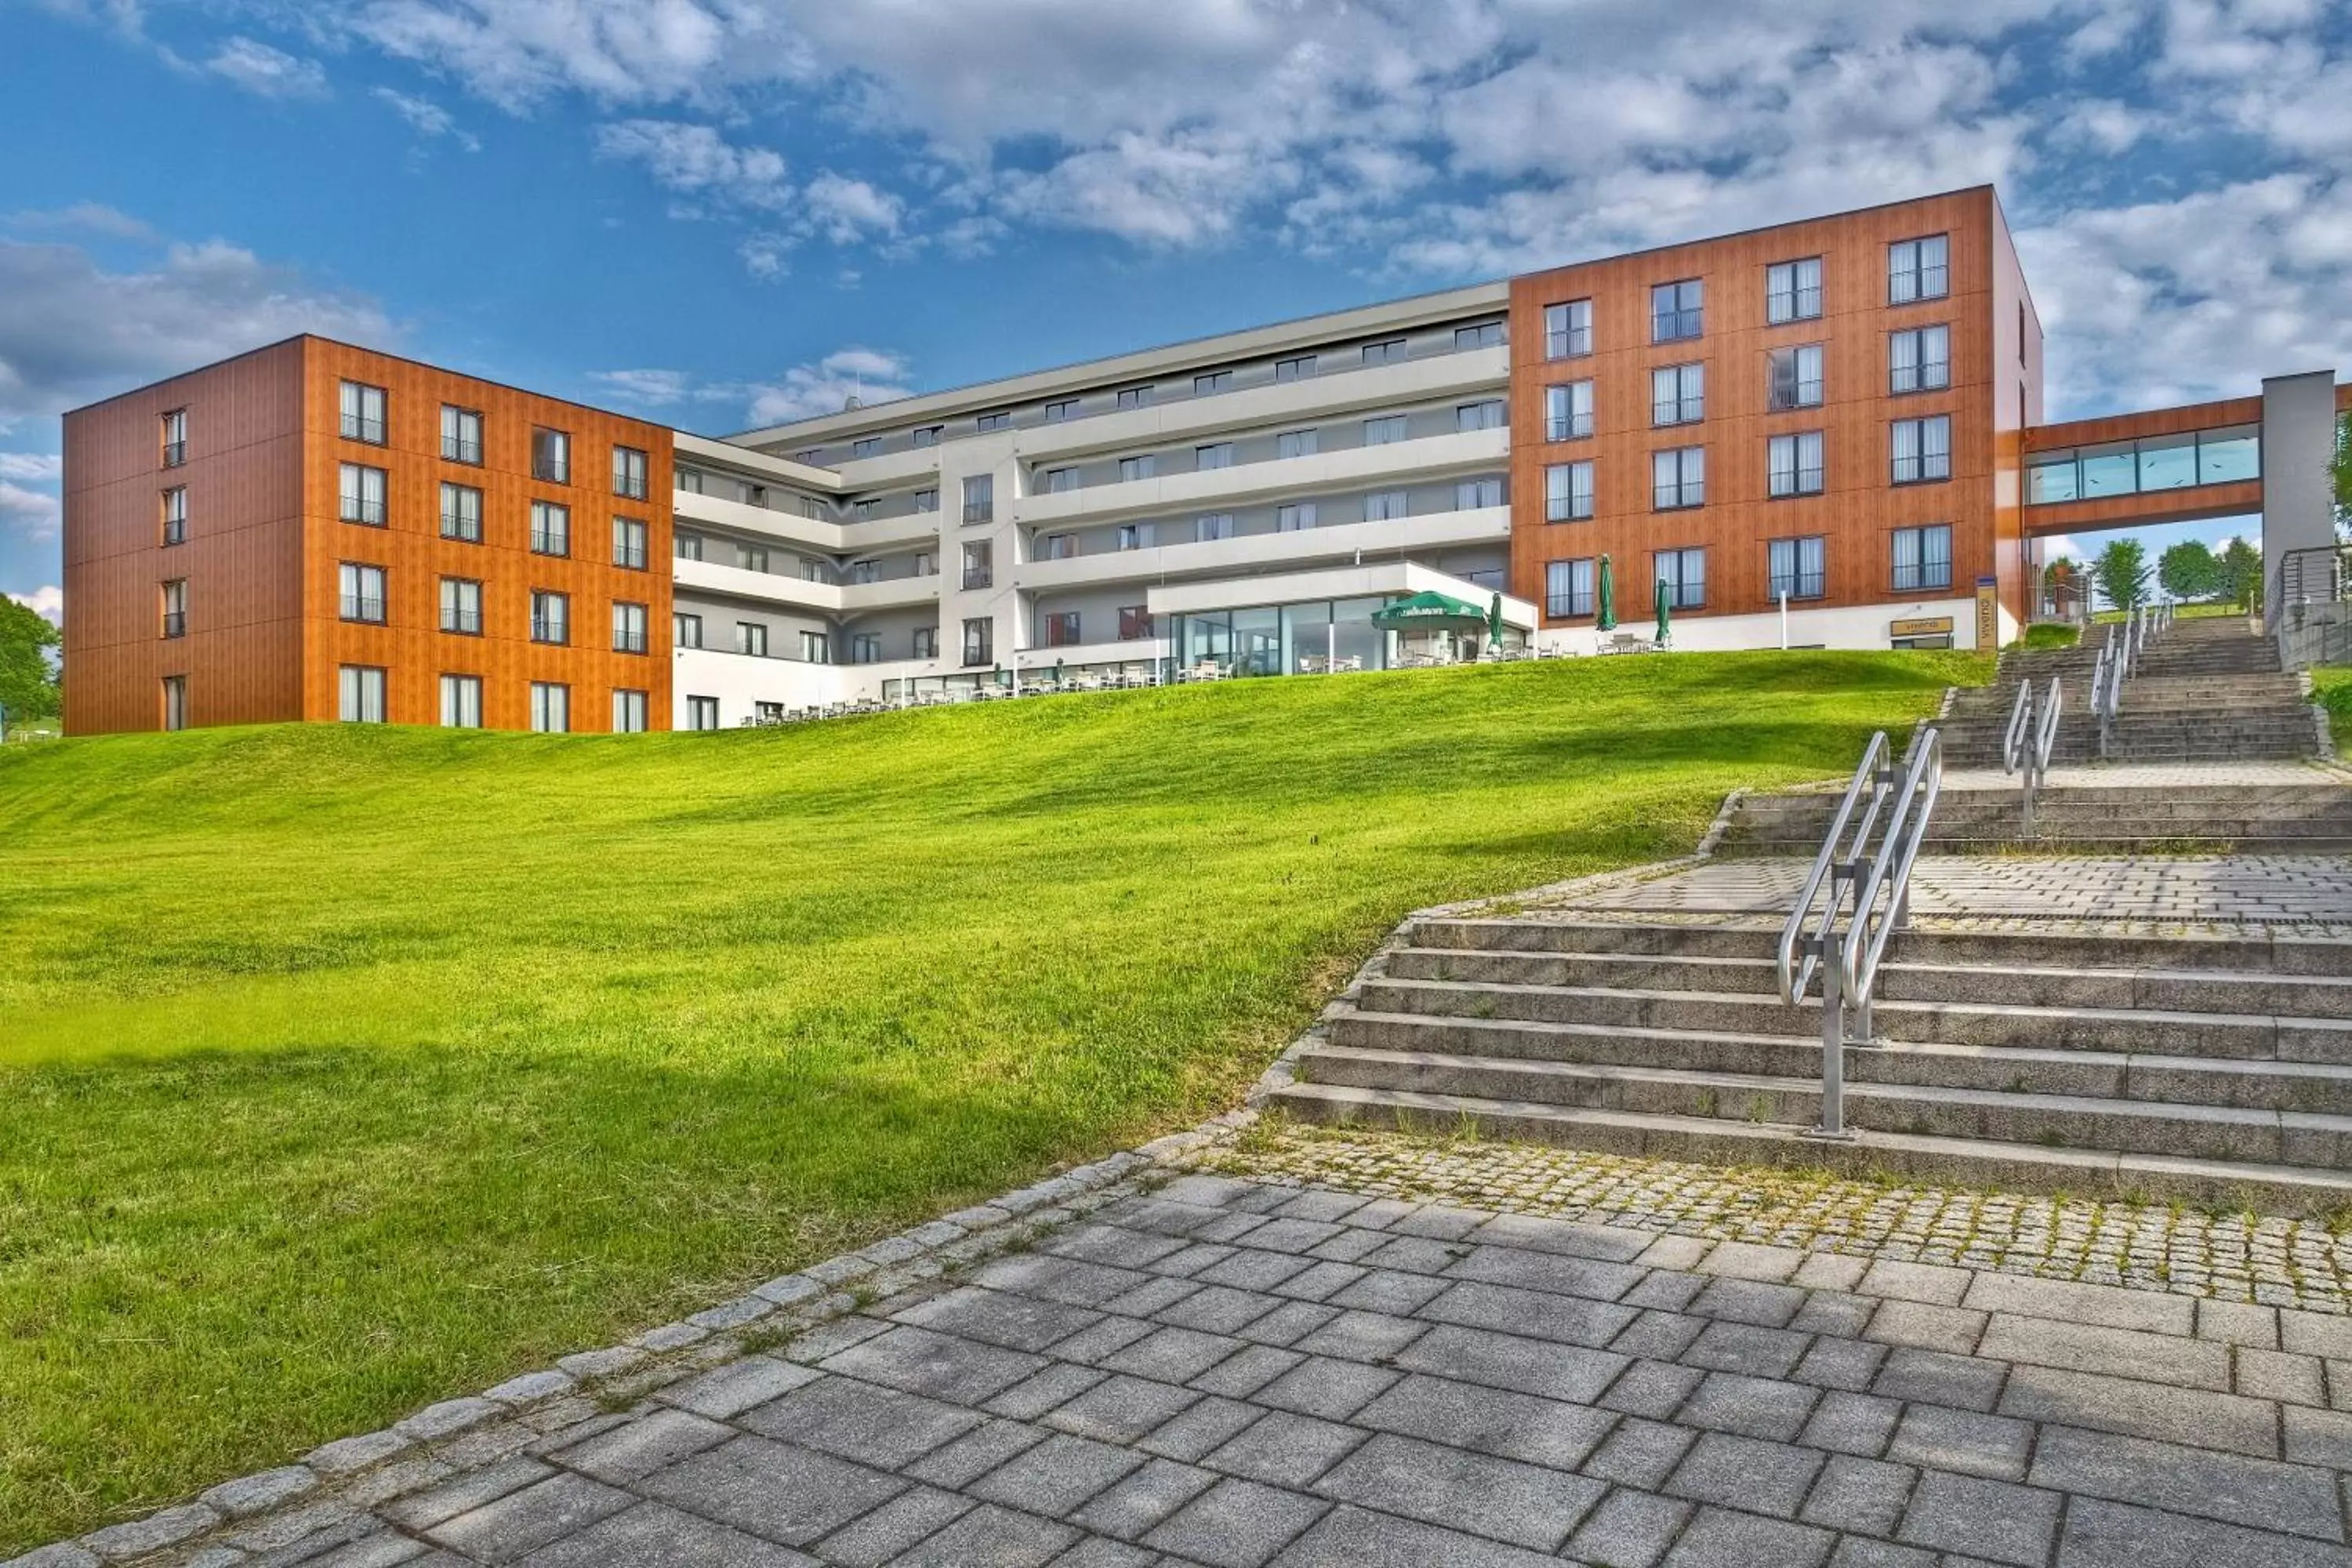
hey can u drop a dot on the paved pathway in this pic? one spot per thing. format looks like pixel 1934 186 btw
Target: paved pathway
pixel 1236 1372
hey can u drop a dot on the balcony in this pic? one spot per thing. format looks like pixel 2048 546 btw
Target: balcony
pixel 817 533
pixel 1249 553
pixel 827 599
pixel 464 623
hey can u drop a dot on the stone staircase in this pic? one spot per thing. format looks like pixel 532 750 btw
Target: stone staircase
pixel 2212 1069
pixel 2278 818
pixel 2206 691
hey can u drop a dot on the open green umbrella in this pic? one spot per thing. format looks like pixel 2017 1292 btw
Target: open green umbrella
pixel 1607 620
pixel 1665 602
pixel 1430 611
pixel 1495 627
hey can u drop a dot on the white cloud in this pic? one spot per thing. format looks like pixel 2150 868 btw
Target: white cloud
pixel 846 210
pixel 88 217
pixel 821 387
pixel 48 601
pixel 427 118
pixel 694 161
pixel 261 68
pixel 29 507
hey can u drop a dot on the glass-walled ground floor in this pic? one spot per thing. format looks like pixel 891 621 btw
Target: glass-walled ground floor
pixel 1321 637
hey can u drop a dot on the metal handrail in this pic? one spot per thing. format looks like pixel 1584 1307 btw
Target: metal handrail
pixel 2033 735
pixel 1797 968
pixel 1888 872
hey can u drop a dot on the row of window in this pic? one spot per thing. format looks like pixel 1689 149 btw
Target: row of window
pixel 1290 517
pixel 363 596
pixel 1919 451
pixel 361 416
pixel 1920 559
pixel 1380 430
pixel 1916 270
pixel 359 692
pixel 752 637
pixel 1920 359
pixel 363 497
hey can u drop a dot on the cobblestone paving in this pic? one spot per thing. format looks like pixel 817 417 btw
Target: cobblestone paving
pixel 1237 1372
pixel 2155 775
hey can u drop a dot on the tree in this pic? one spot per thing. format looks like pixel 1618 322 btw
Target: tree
pixel 2122 571
pixel 28 681
pixel 2242 574
pixel 2339 473
pixel 2189 569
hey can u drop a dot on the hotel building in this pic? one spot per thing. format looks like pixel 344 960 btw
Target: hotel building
pixel 1825 433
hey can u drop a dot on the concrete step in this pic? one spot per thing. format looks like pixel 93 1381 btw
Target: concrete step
pixel 2266 1188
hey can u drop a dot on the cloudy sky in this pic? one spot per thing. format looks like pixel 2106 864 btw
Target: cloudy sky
pixel 724 212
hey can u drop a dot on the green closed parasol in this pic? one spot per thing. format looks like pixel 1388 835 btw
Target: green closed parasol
pixel 1607 620
pixel 1495 626
pixel 1665 603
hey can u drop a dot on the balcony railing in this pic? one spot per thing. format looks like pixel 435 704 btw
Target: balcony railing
pixel 978 577
pixel 1800 585
pixel 356 510
pixel 468 622
pixel 174 454
pixel 457 450
pixel 175 530
pixel 628 642
pixel 458 526
pixel 633 558
pixel 1671 326
pixel 362 607
pixel 175 623
pixel 551 471
pixel 979 512
pixel 545 543
pixel 549 630
pixel 1575 427
pixel 357 427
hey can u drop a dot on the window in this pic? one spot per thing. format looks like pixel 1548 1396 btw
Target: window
pixel 461 435
pixel 1568 491
pixel 703 712
pixel 1297 368
pixel 688 480
pixel 461 513
pixel 1918 269
pixel 1388 350
pixel 980 498
pixel 816 648
pixel 865 571
pixel 1212 382
pixel 629 544
pixel 362 592
pixel 1134 397
pixel 866 447
pixel 1387 506
pixel 1060 628
pixel 1134 536
pixel 175 437
pixel 1923 558
pixel 1485 335
pixel 979 564
pixel 1384 429
pixel 866 647
pixel 551 455
pixel 461 701
pixel 360 494
pixel 864 507
pixel 1919 360
pixel 1684 572
pixel 1143 468
pixel 361 408
pixel 1057 547
pixel 1216 455
pixel 1066 408
pixel 1793 377
pixel 629 473
pixel 551 708
pixel 2229 455
pixel 1297 444
pixel 1061 481
pixel 1567 589
pixel 1678 478
pixel 1794 463
pixel 929 434
pixel 175 515
pixel 1471 494
pixel 1568 329
pixel 1678 394
pixel 360 694
pixel 1792 290
pixel 629 713
pixel 979 642
pixel 685 629
pixel 1211 526
pixel 1292 516
pixel 927 642
pixel 1134 622
pixel 1482 416
pixel 927 500
pixel 1793 569
pixel 1922 449
pixel 551 528
pixel 1568 411
pixel 687 546
pixel 752 637
pixel 175 607
pixel 1001 419
pixel 551 616
pixel 1676 310
pixel 628 628
pixel 175 702
pixel 461 606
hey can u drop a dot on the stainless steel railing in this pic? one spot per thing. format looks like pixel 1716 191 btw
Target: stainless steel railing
pixel 2032 734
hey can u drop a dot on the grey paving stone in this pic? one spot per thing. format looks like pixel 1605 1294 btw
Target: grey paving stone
pixel 645 1443
pixel 2227 1487
pixel 1236 1524
pixel 521 1522
pixel 1653 1388
pixel 652 1535
pixel 1743 1472
pixel 1641 1454
pixel 1389 1291
pixel 1001 1318
pixel 1530 1314
pixel 1751 1407
pixel 1248 1269
pixel 1719 1538
pixel 1523 1504
pixel 1749 1302
pixel 250 1495
pixel 1101 1551
pixel 1289 1323
pixel 2274 1374
pixel 1318 1280
pixel 1747 1260
pixel 1443 1221
pixel 992 1536
pixel 1540 1232
pixel 1490 1421
pixel 736 1387
pixel 1053 1387
pixel 1195 1256
pixel 1991 1520
pixel 941 1366
pixel 1319 1385
pixel 1171 1354
pixel 1937 1437
pixel 2316 1333
pixel 775 1489
pixel 1664 1291
pixel 1362 1336
pixel 1071 1281
pixel 1136 1505
pixel 1861 1497
pixel 1742 1347
pixel 1352 1538
pixel 2117 1535
pixel 345 1454
pixel 1658 1334
pixel 420 1510
pixel 1506 1360
pixel 2318 1437
pixel 165 1526
pixel 974 1453
pixel 1285 1449
pixel 1857 1424
pixel 1629 1530
pixel 1110 1244
pixel 1289 1234
pixel 1120 1409
pixel 1200 1428
pixel 1151 1298
pixel 1247 1371
pixel 448 1418
pixel 2118 1353
pixel 1903 1281
pixel 1830 1271
pixel 1854 1553
pixel 894 1528
pixel 1057 1476
pixel 1219 1309
pixel 2238 1323
pixel 1833 1312
pixel 859 1421
pixel 2065 1301
pixel 1963 1383
pixel 1834 1363
pixel 382 1549
pixel 832 1338
pixel 1349 1245
pixel 1321 1202
pixel 1954 1331
pixel 2143 1410
pixel 1549 1271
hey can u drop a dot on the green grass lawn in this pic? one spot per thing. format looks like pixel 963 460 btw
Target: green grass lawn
pixel 2331 688
pixel 348 1069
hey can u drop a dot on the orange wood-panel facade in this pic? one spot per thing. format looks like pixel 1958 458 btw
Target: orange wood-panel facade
pixel 1858 508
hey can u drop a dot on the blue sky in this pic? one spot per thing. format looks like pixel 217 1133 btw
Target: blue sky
pixel 721 211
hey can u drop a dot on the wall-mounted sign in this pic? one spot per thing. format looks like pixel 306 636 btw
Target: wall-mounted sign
pixel 1924 627
pixel 1988 613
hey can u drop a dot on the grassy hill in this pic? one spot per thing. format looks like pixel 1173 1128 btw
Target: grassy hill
pixel 350 1069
